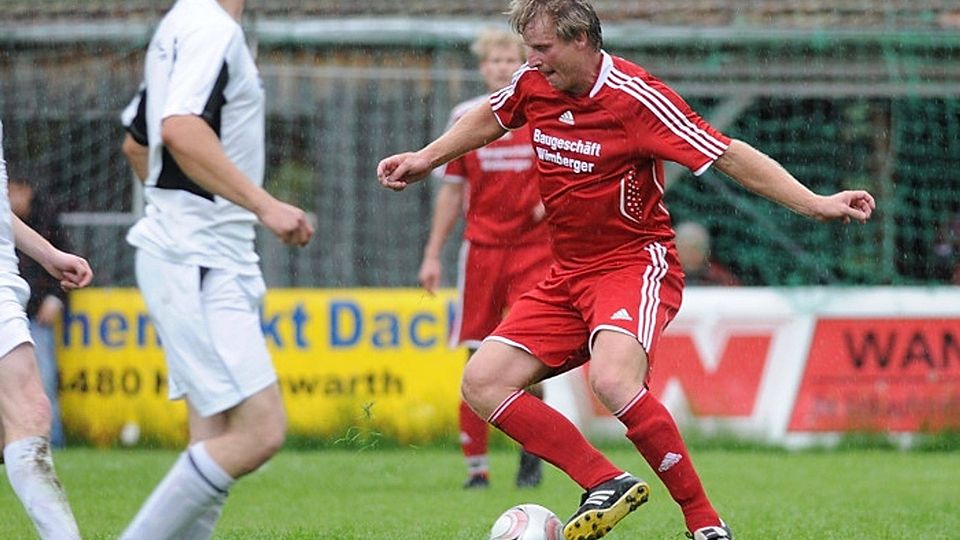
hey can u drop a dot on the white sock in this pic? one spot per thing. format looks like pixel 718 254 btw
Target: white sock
pixel 30 470
pixel 477 465
pixel 202 528
pixel 189 490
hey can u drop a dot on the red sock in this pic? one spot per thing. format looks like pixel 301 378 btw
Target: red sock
pixel 654 432
pixel 544 432
pixel 473 432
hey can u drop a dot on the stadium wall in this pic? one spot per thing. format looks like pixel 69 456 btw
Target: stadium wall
pixel 791 366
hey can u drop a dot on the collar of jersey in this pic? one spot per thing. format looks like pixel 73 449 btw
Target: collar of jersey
pixel 606 64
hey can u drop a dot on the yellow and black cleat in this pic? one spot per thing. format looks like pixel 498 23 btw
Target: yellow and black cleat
pixel 604 506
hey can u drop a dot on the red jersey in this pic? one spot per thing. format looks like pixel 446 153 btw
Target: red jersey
pixel 502 194
pixel 600 157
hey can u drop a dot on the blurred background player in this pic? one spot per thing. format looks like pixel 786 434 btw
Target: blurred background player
pixel 601 128
pixel 24 407
pixel 506 248
pixel 200 114
pixel 47 299
pixel 699 267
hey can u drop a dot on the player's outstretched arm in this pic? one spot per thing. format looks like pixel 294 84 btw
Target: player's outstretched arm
pixel 201 156
pixel 445 216
pixel 764 176
pixel 474 129
pixel 72 271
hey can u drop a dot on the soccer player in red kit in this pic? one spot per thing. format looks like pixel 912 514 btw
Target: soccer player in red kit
pixel 601 128
pixel 506 248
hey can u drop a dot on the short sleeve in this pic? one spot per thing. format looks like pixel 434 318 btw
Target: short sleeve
pixel 667 128
pixel 134 117
pixel 199 66
pixel 508 102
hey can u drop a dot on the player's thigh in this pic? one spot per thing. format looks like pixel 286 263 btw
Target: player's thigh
pixel 205 427
pixel 261 415
pixel 24 408
pixel 210 327
pixel 545 324
pixel 618 368
pixel 23 404
pixel 497 370
pixel 171 292
pixel 638 301
pixel 231 305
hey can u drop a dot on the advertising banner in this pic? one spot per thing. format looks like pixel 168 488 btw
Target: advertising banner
pixel 801 365
pixel 881 375
pixel 351 363
pixel 778 365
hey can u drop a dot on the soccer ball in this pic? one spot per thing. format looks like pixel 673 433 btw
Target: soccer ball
pixel 527 522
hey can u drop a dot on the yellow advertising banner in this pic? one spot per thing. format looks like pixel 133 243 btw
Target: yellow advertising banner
pixel 349 362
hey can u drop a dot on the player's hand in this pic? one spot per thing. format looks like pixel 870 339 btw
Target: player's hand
pixel 398 171
pixel 857 205
pixel 288 222
pixel 73 272
pixel 429 275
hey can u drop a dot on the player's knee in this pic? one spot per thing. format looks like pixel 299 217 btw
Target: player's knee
pixel 270 437
pixel 608 385
pixel 32 416
pixel 468 389
pixel 475 385
pixel 260 447
pixel 261 439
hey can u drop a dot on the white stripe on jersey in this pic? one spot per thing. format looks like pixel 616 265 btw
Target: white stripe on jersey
pixel 708 138
pixel 668 113
pixel 659 183
pixel 650 293
pixel 498 98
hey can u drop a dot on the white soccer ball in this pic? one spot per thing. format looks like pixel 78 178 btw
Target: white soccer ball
pixel 130 434
pixel 527 522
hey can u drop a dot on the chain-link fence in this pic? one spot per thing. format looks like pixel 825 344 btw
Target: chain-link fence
pixel 844 94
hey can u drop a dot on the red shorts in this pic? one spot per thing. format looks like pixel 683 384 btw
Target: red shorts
pixel 558 321
pixel 491 279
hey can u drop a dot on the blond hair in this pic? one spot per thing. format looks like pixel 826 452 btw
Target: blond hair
pixel 495 38
pixel 570 17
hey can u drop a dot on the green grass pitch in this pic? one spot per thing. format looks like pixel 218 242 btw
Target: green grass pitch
pixel 414 493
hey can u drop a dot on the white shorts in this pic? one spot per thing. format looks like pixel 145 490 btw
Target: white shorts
pixel 210 332
pixel 14 326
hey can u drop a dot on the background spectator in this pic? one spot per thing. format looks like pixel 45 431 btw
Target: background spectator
pixel 946 250
pixel 693 247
